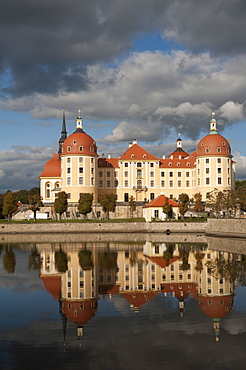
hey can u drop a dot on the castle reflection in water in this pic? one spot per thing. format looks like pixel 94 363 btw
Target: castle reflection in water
pixel 78 274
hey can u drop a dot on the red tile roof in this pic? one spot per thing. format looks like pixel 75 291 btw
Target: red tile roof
pixel 136 152
pixel 178 163
pixel 160 201
pixel 162 262
pixel 52 168
pixel 108 162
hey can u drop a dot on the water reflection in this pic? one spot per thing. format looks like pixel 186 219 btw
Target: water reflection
pixel 79 275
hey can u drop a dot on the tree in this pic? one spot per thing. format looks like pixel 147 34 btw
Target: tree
pixel 9 260
pixel 35 202
pixel 9 204
pixel 132 205
pixel 241 193
pixel 198 207
pixel 107 260
pixel 61 260
pixel 34 261
pixel 61 203
pixel 85 203
pixel 183 204
pixel 85 259
pixel 108 203
pixel 167 208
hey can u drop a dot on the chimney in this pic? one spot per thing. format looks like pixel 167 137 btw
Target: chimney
pixel 163 156
pixel 134 141
pixel 130 145
pixel 109 156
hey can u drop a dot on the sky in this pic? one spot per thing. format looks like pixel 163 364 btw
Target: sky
pixel 137 69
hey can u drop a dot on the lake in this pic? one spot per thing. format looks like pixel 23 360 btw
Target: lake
pixel 111 305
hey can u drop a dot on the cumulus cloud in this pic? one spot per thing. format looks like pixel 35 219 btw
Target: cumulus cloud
pixel 152 92
pixel 21 166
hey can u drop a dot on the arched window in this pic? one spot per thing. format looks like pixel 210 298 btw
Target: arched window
pixel 69 148
pixel 219 149
pixel 207 150
pixel 81 148
pixel 47 190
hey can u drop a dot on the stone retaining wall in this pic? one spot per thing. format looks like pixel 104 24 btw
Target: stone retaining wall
pixel 229 227
pixel 97 227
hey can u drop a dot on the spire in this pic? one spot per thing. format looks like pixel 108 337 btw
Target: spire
pixel 213 128
pixel 63 132
pixel 216 325
pixel 79 122
pixel 179 142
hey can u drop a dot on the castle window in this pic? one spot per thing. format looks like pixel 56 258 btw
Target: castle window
pixel 68 170
pixel 188 164
pixel 179 174
pixel 74 142
pixel 92 181
pixel 100 183
pixel 126 183
pixel 179 183
pixel 48 190
pixel 80 180
pixel 80 169
pixel 171 196
pixel 207 170
pixel 100 174
pixel 171 174
pixel 202 143
pixel 170 164
pixel 144 156
pixel 126 174
pixel 139 164
pixel 207 160
pixel 162 174
pixel 219 170
pixel 132 156
pixel 69 148
pixel 207 181
pixel 116 183
pixel 151 164
pixel 187 184
pixel 218 160
pixel 81 148
pixel 152 196
pixel 162 183
pixel 68 160
pixel 219 180
pixel 207 150
pixel 126 164
pixel 108 173
pixel 178 164
pixel 223 143
pixel 187 174
pixel 92 149
pixel 152 174
pixel 219 149
pixel 152 184
pixel 69 181
pixel 100 163
pixel 171 184
pixel 68 195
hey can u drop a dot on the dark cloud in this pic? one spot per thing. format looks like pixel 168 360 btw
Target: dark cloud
pixel 47 45
pixel 218 26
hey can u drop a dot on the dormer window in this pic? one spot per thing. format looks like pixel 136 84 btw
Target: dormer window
pixel 170 164
pixel 207 150
pixel 81 148
pixel 144 156
pixel 223 144
pixel 132 156
pixel 188 164
pixel 100 163
pixel 178 164
pixel 219 149
pixel 202 143
pixel 74 142
pixel 69 148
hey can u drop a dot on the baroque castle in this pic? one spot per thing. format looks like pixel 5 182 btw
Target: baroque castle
pixel 77 168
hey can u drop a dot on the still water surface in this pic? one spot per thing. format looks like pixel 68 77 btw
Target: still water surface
pixel 122 306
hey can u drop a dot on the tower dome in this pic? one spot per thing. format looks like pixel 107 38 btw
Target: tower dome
pixel 79 142
pixel 213 143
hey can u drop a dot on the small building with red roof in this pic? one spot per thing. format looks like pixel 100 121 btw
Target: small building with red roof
pixel 154 209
